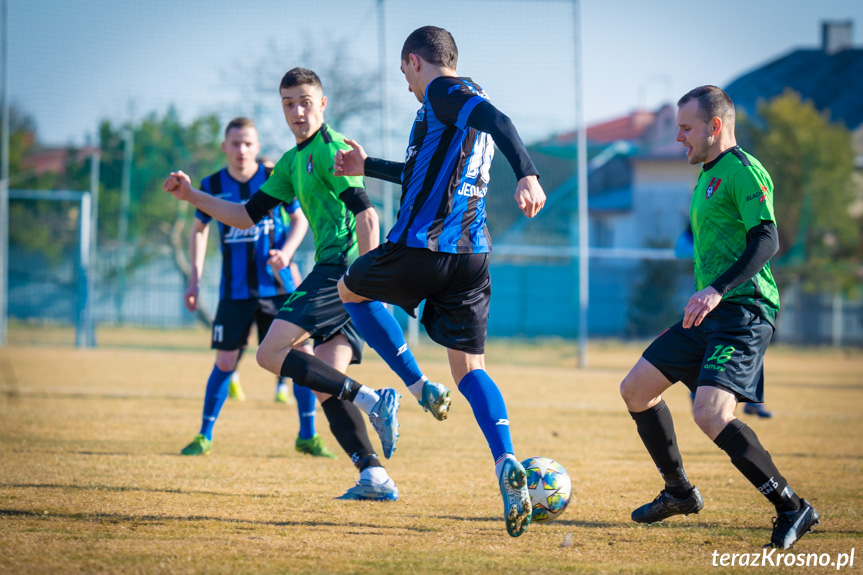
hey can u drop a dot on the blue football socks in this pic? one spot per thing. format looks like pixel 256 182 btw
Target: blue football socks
pixel 384 335
pixel 306 408
pixel 489 410
pixel 214 399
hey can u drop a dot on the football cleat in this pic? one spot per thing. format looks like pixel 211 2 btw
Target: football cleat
pixel 665 506
pixel 314 446
pixel 365 490
pixel 199 446
pixel 436 399
pixel 757 409
pixel 235 390
pixel 516 497
pixel 790 526
pixel 384 419
pixel 283 395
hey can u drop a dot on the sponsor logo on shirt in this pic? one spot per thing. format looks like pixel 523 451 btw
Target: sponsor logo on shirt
pixel 410 153
pixel 239 236
pixel 310 166
pixel 470 190
pixel 762 197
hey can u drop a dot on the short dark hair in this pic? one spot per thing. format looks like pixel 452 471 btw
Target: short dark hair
pixel 300 77
pixel 432 44
pixel 713 102
pixel 239 124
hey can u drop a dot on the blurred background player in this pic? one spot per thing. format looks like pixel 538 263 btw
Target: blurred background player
pixel 257 277
pixel 438 249
pixel 717 350
pixel 344 225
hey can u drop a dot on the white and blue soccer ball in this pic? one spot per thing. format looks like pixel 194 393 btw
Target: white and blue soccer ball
pixel 550 487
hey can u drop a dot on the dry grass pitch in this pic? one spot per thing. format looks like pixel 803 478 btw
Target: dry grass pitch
pixel 91 479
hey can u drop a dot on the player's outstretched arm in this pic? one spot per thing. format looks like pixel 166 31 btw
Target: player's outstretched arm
pixel 179 185
pixel 529 195
pixel 350 162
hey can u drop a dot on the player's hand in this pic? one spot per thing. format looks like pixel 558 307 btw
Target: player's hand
pixel 191 298
pixel 350 162
pixel 178 185
pixel 278 260
pixel 700 304
pixel 529 195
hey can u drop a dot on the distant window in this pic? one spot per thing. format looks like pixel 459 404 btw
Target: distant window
pixel 601 233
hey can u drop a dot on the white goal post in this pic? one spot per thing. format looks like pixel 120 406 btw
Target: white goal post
pixel 84 309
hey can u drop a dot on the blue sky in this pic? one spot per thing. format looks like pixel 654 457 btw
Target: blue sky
pixel 72 63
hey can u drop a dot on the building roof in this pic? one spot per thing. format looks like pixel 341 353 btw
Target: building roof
pixel 628 128
pixel 832 82
pixel 55 160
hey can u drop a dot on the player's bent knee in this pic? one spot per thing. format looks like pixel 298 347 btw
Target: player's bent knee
pixel 629 391
pixel 708 420
pixel 268 358
pixel 344 292
pixel 226 364
pixel 347 296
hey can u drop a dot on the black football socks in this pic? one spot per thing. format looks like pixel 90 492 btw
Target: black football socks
pixel 309 371
pixel 749 456
pixel 656 429
pixel 349 429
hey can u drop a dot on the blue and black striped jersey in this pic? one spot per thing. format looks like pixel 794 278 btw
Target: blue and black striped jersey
pixel 446 173
pixel 245 273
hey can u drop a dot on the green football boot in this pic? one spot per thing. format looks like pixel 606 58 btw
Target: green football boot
pixel 283 395
pixel 235 390
pixel 314 446
pixel 199 446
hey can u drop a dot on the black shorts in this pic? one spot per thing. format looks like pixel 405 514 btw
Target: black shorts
pixel 234 319
pixel 316 307
pixel 726 351
pixel 456 287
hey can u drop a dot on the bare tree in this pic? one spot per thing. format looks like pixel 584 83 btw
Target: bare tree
pixel 351 89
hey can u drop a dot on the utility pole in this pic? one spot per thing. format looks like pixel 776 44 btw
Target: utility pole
pixel 4 180
pixel 583 250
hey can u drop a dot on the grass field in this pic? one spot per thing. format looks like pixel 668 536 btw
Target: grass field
pixel 91 479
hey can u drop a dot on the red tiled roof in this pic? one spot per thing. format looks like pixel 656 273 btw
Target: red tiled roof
pixel 629 127
pixel 54 160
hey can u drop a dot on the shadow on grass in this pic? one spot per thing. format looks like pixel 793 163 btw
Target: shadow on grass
pixel 573 523
pixel 122 396
pixel 165 519
pixel 776 453
pixel 127 489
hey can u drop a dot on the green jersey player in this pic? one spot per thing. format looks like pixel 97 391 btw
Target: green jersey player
pixel 717 350
pixel 344 224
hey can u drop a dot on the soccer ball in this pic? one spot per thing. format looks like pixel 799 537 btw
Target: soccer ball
pixel 550 487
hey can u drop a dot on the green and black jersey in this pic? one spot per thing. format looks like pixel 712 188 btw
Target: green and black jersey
pixel 734 193
pixel 306 173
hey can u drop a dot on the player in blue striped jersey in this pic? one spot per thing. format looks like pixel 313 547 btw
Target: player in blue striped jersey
pixel 439 247
pixel 257 277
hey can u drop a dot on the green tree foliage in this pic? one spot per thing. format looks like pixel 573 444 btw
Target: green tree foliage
pixel 656 302
pixel 39 227
pixel 811 161
pixel 162 144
